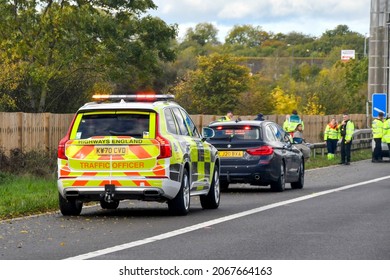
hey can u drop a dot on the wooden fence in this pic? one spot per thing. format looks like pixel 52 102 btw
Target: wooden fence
pixel 43 131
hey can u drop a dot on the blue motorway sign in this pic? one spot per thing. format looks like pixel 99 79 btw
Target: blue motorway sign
pixel 379 104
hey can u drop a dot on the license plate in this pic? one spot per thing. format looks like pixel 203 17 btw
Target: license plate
pixel 110 150
pixel 231 153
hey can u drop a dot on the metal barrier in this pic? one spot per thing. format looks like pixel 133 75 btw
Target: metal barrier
pixel 362 139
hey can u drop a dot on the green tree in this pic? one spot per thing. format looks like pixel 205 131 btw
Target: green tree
pixel 295 38
pixel 257 98
pixel 54 43
pixel 204 33
pixel 247 36
pixel 343 38
pixel 245 40
pixel 214 87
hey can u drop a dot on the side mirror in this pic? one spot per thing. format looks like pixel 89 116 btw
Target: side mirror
pixel 207 132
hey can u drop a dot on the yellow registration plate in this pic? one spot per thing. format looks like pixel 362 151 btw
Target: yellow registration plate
pixel 231 153
pixel 110 150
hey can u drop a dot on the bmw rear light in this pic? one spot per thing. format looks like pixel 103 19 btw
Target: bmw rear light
pixel 61 148
pixel 261 151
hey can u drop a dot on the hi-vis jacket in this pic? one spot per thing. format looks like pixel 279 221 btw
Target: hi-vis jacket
pixel 224 119
pixel 291 123
pixel 332 132
pixel 347 130
pixel 377 128
pixel 386 131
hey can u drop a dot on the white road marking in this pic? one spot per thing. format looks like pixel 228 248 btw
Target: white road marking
pixel 170 234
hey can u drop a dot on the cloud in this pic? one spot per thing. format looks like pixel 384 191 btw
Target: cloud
pixel 307 17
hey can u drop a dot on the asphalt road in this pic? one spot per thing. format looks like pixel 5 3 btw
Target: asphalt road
pixel 342 213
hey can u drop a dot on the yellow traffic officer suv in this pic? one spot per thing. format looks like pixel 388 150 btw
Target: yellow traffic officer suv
pixel 143 147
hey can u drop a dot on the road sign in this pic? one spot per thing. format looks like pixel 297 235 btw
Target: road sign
pixel 379 104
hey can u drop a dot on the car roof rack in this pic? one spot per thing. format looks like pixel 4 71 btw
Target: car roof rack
pixel 143 97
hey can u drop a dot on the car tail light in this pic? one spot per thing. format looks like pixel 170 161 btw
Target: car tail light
pixel 61 145
pixel 261 151
pixel 61 148
pixel 165 145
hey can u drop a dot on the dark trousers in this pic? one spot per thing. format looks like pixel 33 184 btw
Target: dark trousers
pixel 345 150
pixel 377 154
pixel 331 145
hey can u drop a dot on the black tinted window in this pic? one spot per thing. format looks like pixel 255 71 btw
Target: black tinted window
pixel 135 125
pixel 237 133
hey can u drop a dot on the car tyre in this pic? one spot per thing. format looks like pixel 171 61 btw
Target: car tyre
pixel 280 184
pixel 71 207
pixel 223 185
pixel 109 205
pixel 212 199
pixel 180 205
pixel 301 178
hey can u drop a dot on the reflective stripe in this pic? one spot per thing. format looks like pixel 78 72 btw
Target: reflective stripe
pixel 331 133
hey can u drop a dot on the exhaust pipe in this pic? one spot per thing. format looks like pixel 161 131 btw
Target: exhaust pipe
pixel 257 177
pixel 72 194
pixel 151 193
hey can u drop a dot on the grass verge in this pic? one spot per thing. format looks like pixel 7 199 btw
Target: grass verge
pixel 26 194
pixel 321 161
pixel 22 195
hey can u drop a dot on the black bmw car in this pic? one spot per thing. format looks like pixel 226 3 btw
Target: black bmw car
pixel 257 153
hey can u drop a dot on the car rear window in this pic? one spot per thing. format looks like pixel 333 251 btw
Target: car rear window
pixel 241 133
pixel 135 125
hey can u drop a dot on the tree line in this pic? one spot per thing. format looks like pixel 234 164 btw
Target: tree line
pixel 55 54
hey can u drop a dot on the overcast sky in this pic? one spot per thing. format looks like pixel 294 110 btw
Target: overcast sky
pixel 310 17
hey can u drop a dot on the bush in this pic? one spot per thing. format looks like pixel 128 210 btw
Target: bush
pixel 36 163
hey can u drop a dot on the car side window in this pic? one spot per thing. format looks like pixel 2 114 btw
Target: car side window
pixel 190 124
pixel 170 121
pixel 269 132
pixel 278 135
pixel 180 122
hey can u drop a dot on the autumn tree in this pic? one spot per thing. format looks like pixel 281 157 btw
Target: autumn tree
pixel 257 99
pixel 284 103
pixel 214 87
pixel 62 48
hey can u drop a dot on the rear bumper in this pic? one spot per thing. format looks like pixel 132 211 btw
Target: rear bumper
pixel 256 174
pixel 93 189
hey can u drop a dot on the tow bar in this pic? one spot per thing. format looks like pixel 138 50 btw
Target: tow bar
pixel 109 193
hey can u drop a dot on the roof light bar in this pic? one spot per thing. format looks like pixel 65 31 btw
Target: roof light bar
pixel 134 97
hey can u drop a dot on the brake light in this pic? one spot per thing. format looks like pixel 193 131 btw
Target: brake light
pixel 165 147
pixel 61 145
pixel 61 148
pixel 261 151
